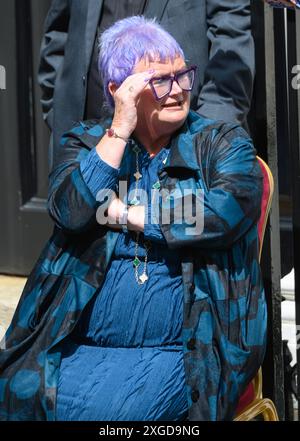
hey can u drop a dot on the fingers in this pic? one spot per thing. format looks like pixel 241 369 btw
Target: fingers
pixel 126 99
pixel 135 83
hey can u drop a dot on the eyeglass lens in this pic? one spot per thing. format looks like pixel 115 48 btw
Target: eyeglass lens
pixel 163 86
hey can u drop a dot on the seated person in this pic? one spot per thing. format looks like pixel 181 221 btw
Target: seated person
pixel 147 302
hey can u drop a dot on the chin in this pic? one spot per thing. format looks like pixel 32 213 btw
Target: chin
pixel 176 117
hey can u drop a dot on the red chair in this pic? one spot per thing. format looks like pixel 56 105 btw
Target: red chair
pixel 251 403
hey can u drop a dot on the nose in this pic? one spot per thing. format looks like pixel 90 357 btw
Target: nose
pixel 176 89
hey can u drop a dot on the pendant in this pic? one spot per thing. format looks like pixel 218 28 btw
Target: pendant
pixel 143 278
pixel 134 201
pixel 136 262
pixel 137 175
pixel 156 185
pixel 136 149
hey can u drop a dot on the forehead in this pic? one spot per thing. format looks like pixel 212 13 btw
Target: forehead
pixel 161 67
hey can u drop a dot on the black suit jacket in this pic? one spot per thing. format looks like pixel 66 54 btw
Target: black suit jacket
pixel 214 34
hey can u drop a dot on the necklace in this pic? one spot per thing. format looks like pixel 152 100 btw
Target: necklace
pixel 147 243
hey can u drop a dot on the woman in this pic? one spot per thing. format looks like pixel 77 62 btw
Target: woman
pixel 147 302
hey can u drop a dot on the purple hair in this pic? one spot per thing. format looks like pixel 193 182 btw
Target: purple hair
pixel 126 42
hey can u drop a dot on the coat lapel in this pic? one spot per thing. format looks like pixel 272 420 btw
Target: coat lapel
pixel 93 15
pixel 155 8
pixel 188 140
pixel 183 151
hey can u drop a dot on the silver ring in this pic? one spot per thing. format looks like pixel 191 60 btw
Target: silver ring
pixel 131 89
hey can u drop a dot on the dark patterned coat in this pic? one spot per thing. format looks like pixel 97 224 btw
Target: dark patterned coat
pixel 224 328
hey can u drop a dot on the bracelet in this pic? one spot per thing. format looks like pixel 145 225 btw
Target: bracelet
pixel 112 134
pixel 123 219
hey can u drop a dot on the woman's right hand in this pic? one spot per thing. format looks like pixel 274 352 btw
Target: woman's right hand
pixel 125 98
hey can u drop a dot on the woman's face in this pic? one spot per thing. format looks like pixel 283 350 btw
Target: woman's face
pixel 165 116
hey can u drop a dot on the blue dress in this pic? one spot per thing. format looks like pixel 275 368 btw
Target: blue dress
pixel 124 361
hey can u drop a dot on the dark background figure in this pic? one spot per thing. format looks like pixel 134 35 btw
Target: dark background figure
pixel 214 34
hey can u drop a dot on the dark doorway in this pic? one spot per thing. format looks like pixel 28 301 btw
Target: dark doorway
pixel 24 222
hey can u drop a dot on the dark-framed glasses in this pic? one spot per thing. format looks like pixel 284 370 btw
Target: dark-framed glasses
pixel 162 86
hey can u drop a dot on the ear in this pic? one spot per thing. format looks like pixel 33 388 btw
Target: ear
pixel 112 87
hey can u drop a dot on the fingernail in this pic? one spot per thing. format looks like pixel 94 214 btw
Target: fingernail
pixel 151 70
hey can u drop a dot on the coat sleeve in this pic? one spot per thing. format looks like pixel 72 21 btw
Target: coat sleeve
pixel 223 211
pixel 80 181
pixel 52 53
pixel 228 79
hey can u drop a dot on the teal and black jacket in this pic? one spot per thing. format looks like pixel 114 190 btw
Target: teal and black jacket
pixel 225 318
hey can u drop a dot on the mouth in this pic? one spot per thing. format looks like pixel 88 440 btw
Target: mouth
pixel 176 104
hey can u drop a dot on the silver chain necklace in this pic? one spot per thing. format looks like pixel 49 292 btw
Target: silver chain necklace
pixel 140 278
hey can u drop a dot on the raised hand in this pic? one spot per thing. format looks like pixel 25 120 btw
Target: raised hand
pixel 125 97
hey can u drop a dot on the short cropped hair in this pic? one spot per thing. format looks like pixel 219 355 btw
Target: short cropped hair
pixel 126 42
